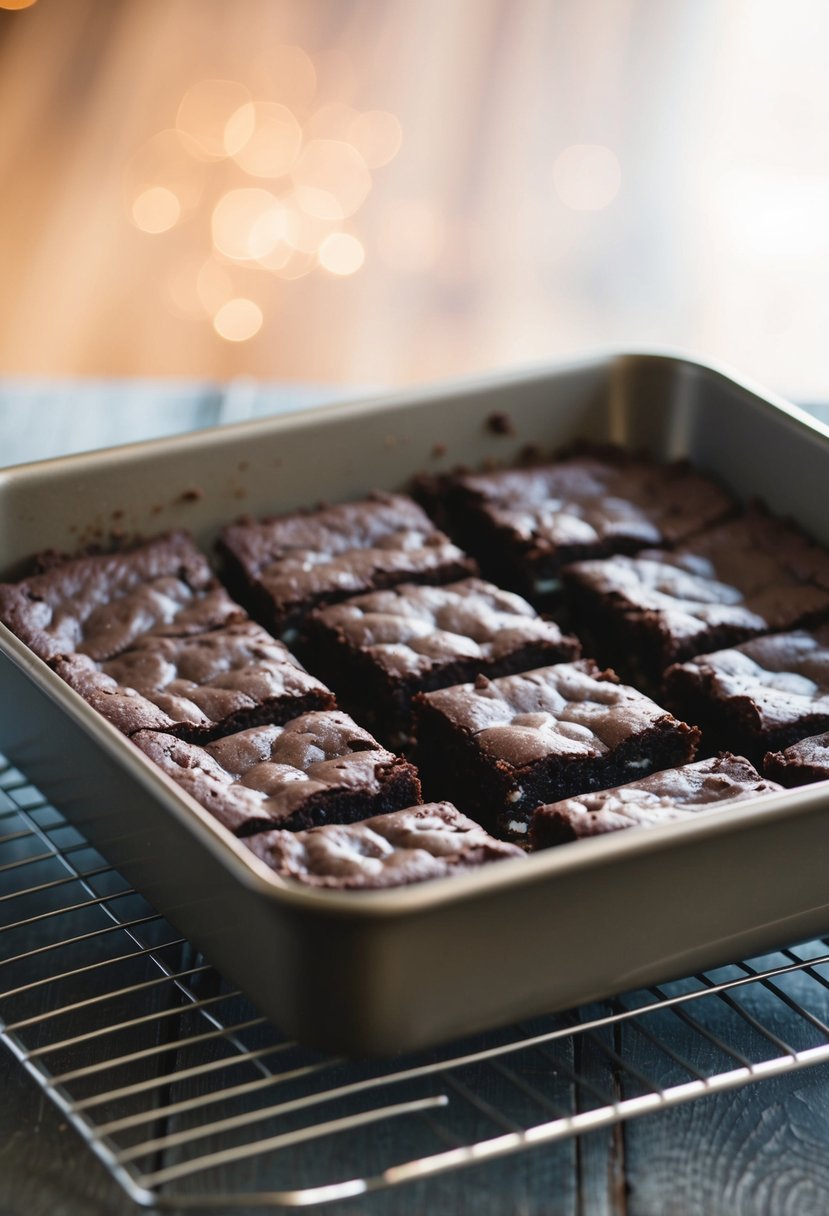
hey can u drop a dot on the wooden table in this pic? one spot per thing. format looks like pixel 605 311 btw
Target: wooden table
pixel 760 1150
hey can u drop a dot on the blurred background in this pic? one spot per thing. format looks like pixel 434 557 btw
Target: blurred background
pixel 378 193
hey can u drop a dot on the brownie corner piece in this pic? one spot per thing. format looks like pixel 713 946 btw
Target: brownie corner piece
pixel 378 650
pixel 284 566
pixel 661 797
pixel 318 768
pixel 432 840
pixel 499 748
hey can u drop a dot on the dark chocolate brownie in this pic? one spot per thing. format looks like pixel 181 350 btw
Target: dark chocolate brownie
pixel 198 687
pixel 379 649
pixel 801 764
pixel 758 696
pixel 319 768
pixel 101 605
pixel 525 524
pixel 677 793
pixel 754 575
pixel 500 748
pixel 285 566
pixel 431 841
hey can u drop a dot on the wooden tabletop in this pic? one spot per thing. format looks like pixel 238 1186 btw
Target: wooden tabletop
pixel 762 1149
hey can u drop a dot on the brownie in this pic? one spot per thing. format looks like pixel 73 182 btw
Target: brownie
pixel 758 696
pixel 319 768
pixel 500 748
pixel 421 842
pixel 524 524
pixel 379 650
pixel 198 687
pixel 101 605
pixel 677 793
pixel 283 567
pixel 802 763
pixel 751 576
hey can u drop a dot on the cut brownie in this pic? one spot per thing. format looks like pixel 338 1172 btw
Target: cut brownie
pixel 379 649
pixel 752 576
pixel 758 696
pixel 677 793
pixel 198 687
pixel 101 605
pixel 525 524
pixel 500 748
pixel 802 763
pixel 285 566
pixel 431 841
pixel 318 768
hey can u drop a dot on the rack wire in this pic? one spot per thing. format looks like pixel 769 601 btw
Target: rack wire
pixel 177 1084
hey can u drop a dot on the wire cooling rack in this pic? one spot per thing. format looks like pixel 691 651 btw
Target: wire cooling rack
pixel 177 1084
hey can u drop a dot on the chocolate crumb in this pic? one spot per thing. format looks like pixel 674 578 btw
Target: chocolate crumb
pixel 500 424
pixel 191 495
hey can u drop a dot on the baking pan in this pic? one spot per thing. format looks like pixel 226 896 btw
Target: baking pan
pixel 379 972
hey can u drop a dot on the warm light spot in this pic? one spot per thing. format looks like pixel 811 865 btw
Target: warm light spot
pixel 214 286
pixel 342 254
pixel 284 73
pixel 263 138
pixel 163 161
pixel 204 111
pixel 377 136
pixel 238 320
pixel 156 209
pixel 15 5
pixel 587 177
pixel 303 231
pixel 238 224
pixel 298 265
pixel 331 179
pixel 411 236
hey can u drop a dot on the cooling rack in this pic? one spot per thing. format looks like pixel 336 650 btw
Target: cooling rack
pixel 178 1085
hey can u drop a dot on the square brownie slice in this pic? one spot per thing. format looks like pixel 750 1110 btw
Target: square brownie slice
pixel 756 697
pixel 379 650
pixel 422 842
pixel 198 687
pixel 500 748
pixel 101 605
pixel 662 797
pixel 801 764
pixel 319 768
pixel 754 575
pixel 283 567
pixel 525 524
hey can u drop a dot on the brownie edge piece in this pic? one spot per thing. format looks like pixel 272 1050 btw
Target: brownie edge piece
pixel 500 748
pixel 282 567
pixel 379 650
pixel 319 768
pixel 422 842
pixel 801 764
pixel 662 797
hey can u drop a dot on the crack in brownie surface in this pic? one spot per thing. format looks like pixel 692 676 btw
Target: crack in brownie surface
pixel 677 793
pixel 320 766
pixel 422 842
pixel 101 605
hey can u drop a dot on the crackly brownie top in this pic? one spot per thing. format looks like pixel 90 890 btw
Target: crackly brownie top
pixel 341 549
pixel 672 794
pixel 569 709
pixel 270 771
pixel 200 679
pixel 776 679
pixel 811 755
pixel 590 499
pixel 101 605
pixel 413 629
pixel 429 841
pixel 756 572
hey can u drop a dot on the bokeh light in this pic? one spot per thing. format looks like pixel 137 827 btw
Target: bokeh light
pixel 341 254
pixel 377 136
pixel 331 179
pixel 264 138
pixel 587 177
pixel 238 320
pixel 156 209
pixel 16 5
pixel 241 226
pixel 204 112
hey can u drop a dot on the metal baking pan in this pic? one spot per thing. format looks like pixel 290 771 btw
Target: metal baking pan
pixel 378 972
